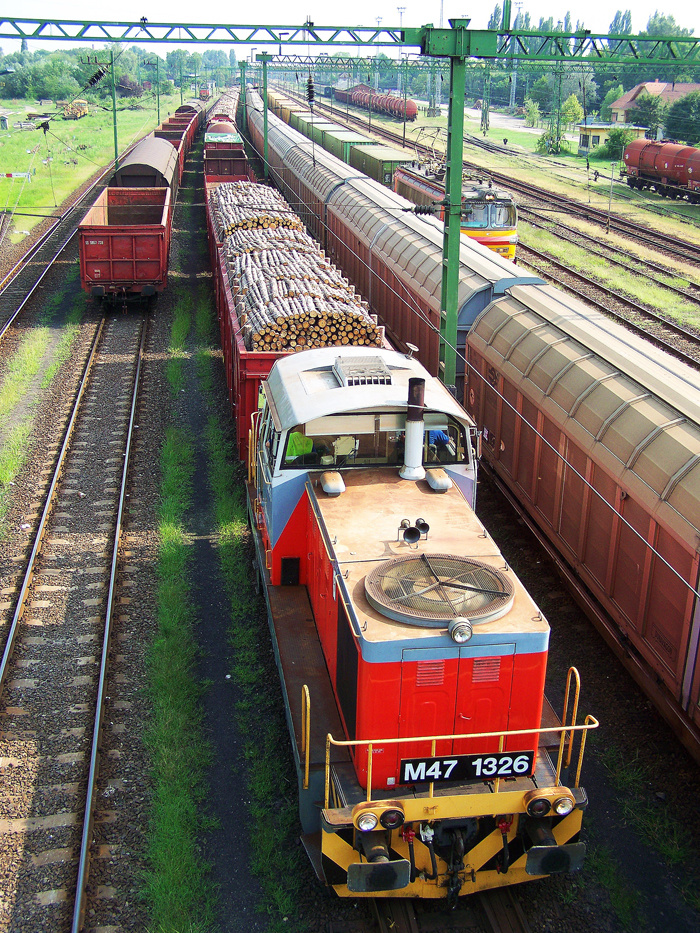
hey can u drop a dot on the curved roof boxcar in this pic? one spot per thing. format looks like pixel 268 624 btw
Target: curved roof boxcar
pixel 153 163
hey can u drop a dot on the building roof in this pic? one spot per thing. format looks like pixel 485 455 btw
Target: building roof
pixel 669 92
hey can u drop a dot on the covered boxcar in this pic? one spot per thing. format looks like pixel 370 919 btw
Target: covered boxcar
pixel 152 163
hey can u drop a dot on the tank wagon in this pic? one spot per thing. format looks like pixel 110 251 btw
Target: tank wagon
pixel 670 169
pixel 412 659
pixel 648 609
pixel 489 214
pixel 388 103
pixel 124 239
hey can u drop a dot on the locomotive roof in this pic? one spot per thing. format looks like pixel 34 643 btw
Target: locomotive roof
pixel 304 386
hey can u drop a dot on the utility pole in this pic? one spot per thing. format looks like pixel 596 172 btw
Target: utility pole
pixel 95 79
pixel 264 57
pixel 242 65
pixel 156 65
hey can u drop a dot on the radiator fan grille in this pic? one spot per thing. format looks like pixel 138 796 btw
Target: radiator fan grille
pixel 432 589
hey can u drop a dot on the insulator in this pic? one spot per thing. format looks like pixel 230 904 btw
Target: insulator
pixel 423 209
pixel 310 93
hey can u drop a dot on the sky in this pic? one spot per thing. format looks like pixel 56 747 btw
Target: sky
pixel 596 15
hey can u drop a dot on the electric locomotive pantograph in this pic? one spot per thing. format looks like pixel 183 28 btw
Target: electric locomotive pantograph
pixel 412 658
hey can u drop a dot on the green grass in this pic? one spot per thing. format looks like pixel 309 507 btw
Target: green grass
pixel 33 355
pixel 624 899
pixel 178 889
pixel 597 267
pixel 65 157
pixel 652 819
pixel 276 859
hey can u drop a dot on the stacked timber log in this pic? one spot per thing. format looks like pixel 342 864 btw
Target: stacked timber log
pixel 288 296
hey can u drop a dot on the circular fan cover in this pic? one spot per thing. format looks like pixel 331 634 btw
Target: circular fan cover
pixel 432 589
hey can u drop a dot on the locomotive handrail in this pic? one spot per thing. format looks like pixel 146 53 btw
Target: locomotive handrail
pixel 590 723
pixel 572 674
pixel 306 731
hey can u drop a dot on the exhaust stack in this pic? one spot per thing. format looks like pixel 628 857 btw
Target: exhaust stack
pixel 413 451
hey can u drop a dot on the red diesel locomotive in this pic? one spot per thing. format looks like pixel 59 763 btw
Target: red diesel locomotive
pixel 412 659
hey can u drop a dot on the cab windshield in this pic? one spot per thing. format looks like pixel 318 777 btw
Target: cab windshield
pixel 363 440
pixel 492 214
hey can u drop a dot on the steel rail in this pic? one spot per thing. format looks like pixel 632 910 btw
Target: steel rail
pixel 46 512
pixel 691 337
pixel 45 238
pixel 574 234
pixel 84 860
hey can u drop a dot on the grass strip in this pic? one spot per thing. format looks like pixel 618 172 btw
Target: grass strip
pixel 34 353
pixel 177 885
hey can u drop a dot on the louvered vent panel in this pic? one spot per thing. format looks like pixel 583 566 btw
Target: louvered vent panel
pixel 430 673
pixel 486 670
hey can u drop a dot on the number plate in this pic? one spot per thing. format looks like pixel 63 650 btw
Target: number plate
pixel 466 767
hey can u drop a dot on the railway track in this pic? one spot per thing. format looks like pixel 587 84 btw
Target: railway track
pixel 24 278
pixel 682 343
pixel 56 634
pixel 495 911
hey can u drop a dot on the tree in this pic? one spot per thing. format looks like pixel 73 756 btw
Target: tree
pixel 571 110
pixel 232 58
pixel 495 19
pixel 614 147
pixel 532 112
pixel 541 93
pixel 650 111
pixel 683 119
pixel 615 93
pixel 621 24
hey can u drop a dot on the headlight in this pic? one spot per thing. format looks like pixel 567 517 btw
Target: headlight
pixel 538 806
pixel 563 805
pixel 366 822
pixel 389 814
pixel 392 819
pixel 460 630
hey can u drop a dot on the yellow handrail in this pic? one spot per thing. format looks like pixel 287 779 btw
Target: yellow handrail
pixel 306 731
pixel 573 672
pixel 590 723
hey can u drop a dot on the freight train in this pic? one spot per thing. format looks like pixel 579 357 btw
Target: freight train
pixel 378 101
pixel 670 169
pixel 489 215
pixel 412 659
pixel 594 432
pixel 124 239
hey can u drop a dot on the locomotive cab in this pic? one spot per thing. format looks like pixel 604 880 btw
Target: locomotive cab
pixel 413 659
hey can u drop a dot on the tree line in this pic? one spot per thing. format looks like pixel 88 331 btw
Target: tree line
pixel 70 73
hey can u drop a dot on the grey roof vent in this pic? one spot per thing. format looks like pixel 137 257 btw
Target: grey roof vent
pixel 362 371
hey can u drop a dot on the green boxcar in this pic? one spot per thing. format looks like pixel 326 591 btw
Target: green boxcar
pixel 340 142
pixel 296 118
pixel 378 161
